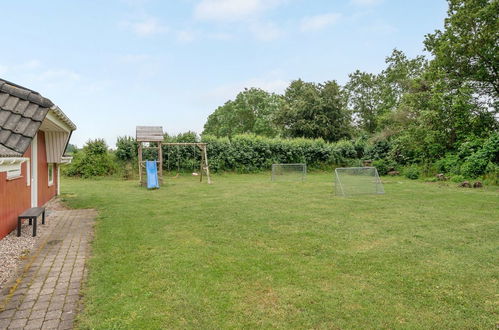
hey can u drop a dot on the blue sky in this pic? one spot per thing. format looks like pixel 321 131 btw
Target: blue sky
pixel 112 65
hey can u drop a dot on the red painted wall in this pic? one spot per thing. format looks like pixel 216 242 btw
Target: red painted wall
pixel 45 192
pixel 15 197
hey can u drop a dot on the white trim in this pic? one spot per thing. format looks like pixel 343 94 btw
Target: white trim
pixel 58 179
pixel 34 171
pixel 28 172
pixel 66 159
pixel 54 119
pixel 11 163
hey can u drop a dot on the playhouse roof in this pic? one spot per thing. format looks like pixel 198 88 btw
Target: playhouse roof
pixel 149 134
pixel 22 111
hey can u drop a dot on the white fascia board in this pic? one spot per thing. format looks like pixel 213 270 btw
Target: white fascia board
pixel 57 121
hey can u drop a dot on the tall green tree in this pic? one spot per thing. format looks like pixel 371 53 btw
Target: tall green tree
pixel 252 111
pixel 467 49
pixel 364 99
pixel 315 111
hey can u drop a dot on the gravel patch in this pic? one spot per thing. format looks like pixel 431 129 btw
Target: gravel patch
pixel 14 250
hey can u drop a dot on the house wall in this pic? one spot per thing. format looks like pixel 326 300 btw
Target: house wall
pixel 45 192
pixel 15 198
pixel 15 195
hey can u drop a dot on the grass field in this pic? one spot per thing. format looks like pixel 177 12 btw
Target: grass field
pixel 248 253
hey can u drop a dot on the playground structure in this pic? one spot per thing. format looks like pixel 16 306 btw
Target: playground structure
pixel 151 137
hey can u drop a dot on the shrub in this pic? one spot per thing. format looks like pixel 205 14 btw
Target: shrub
pixel 378 150
pixel 451 163
pixel 476 164
pixel 93 160
pixel 457 178
pixel 412 172
pixel 126 148
pixel 384 166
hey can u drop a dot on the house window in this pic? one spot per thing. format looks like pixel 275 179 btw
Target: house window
pixel 14 173
pixel 51 174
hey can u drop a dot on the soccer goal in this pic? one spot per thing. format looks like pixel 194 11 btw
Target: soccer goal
pixel 289 172
pixel 357 180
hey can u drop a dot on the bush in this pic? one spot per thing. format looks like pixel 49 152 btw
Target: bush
pixel 126 148
pixel 384 166
pixel 476 164
pixel 412 172
pixel 457 178
pixel 93 160
pixel 378 150
pixel 451 163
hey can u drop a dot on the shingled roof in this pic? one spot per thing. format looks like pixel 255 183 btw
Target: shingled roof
pixel 21 114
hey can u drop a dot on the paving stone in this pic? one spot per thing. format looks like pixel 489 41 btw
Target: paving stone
pixel 4 323
pixel 69 315
pixel 66 325
pixel 51 324
pixel 22 314
pixel 18 323
pixel 7 314
pixel 27 305
pixel 53 314
pixel 34 324
pixel 39 313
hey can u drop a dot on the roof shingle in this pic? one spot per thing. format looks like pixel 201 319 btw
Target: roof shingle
pixel 21 114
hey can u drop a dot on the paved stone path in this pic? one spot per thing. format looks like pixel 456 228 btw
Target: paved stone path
pixel 46 293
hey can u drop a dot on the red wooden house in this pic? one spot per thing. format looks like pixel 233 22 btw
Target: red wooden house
pixel 34 134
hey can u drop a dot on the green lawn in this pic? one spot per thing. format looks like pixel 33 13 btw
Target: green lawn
pixel 248 253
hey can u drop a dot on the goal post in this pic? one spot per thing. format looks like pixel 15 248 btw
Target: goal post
pixel 357 180
pixel 289 172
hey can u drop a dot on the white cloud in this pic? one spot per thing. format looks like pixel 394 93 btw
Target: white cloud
pixel 231 10
pixel 366 2
pixel 319 22
pixel 147 27
pixel 265 31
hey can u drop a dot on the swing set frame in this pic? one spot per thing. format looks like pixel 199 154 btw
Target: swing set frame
pixel 153 136
pixel 203 165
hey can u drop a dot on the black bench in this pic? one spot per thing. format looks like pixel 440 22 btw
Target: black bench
pixel 32 215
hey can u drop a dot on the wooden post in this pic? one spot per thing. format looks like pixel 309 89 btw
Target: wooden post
pixel 201 164
pixel 160 165
pixel 206 164
pixel 140 163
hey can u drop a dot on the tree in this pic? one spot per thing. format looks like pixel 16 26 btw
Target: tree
pixel 253 111
pixel 467 49
pixel 126 148
pixel 315 111
pixel 364 99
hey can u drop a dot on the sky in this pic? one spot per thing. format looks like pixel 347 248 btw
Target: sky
pixel 116 64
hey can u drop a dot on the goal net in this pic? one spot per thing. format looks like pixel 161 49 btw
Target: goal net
pixel 357 180
pixel 289 172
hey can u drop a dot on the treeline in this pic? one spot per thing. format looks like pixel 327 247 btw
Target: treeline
pixel 427 114
pixel 425 109
pixel 252 153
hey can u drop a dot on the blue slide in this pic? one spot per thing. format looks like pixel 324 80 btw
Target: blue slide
pixel 152 174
